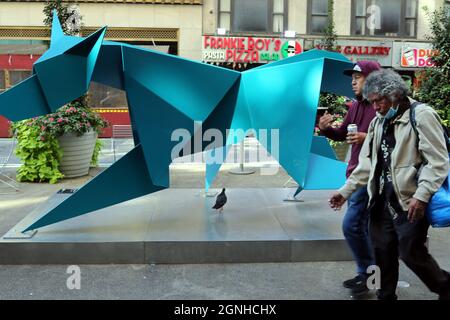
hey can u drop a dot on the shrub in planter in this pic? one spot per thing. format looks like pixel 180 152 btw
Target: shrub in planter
pixel 340 147
pixel 40 154
pixel 38 146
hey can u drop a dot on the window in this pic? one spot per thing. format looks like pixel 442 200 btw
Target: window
pixel 250 15
pixel 253 16
pixel 410 18
pixel 360 17
pixel 385 18
pixel 318 16
pixel 225 14
pixel 16 76
pixel 102 96
pixel 278 16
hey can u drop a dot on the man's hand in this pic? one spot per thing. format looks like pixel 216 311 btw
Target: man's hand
pixel 325 121
pixel 356 137
pixel 336 201
pixel 416 210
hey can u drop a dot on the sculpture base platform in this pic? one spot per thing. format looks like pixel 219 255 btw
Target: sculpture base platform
pixel 179 226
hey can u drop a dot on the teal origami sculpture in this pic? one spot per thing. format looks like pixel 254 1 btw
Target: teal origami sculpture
pixel 166 93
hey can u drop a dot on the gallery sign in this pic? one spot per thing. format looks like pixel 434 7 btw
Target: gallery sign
pixel 357 50
pixel 248 49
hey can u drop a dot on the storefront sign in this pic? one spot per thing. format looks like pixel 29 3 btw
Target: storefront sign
pixel 357 50
pixel 18 61
pixel 413 55
pixel 248 49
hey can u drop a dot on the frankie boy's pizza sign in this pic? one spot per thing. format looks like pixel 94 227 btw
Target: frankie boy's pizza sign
pixel 248 49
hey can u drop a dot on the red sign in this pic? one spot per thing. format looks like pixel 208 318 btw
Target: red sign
pixel 243 49
pixel 18 61
pixel 362 50
pixel 242 43
pixel 415 57
pixel 369 51
pixel 4 127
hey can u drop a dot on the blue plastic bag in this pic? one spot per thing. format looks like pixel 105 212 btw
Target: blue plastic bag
pixel 438 209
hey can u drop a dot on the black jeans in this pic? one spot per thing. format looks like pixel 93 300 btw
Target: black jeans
pixel 394 237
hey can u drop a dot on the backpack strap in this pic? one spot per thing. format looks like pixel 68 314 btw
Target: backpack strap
pixel 412 119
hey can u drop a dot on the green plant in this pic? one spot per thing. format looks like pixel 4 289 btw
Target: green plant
pixel 334 103
pixel 434 83
pixel 71 20
pixel 440 38
pixel 338 120
pixel 330 36
pixel 40 155
pixel 340 148
pixel 97 149
pixel 336 144
pixel 74 117
pixel 38 146
pixel 434 90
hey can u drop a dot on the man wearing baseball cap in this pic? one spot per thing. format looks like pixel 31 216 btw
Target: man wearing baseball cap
pixel 355 224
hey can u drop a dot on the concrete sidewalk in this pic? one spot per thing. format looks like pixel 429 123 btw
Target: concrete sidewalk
pixel 307 280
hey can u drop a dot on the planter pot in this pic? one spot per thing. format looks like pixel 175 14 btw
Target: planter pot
pixel 341 150
pixel 77 153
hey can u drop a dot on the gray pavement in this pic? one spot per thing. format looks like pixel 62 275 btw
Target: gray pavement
pixel 306 280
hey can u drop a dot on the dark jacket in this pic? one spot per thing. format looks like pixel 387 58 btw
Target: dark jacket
pixel 361 113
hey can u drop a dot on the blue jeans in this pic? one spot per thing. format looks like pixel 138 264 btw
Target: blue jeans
pixel 356 229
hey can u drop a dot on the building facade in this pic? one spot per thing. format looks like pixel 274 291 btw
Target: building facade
pixel 392 32
pixel 173 26
pixel 237 34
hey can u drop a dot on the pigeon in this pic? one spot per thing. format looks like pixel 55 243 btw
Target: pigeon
pixel 220 201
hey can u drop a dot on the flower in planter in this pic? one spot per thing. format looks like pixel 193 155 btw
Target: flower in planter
pixel 316 131
pixel 340 147
pixel 338 120
pixel 78 120
pixel 68 119
pixel 38 147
